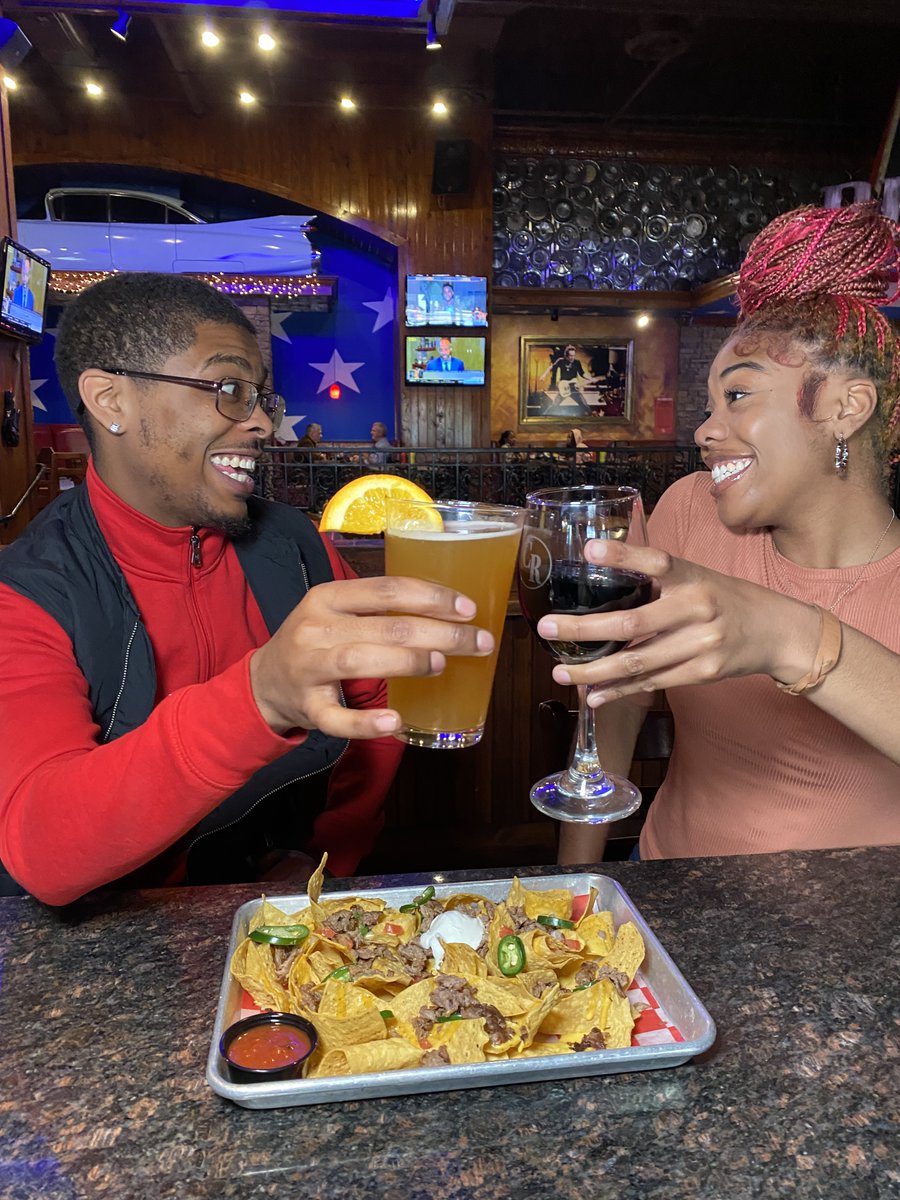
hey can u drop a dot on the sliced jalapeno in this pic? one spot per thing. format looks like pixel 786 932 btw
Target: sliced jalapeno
pixel 280 935
pixel 510 954
pixel 449 1017
pixel 555 922
pixel 418 901
pixel 339 973
pixel 387 1014
pixel 408 908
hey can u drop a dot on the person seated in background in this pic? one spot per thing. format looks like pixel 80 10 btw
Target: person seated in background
pixel 445 360
pixel 381 446
pixel 575 441
pixel 775 633
pixel 507 440
pixel 191 678
pixel 313 435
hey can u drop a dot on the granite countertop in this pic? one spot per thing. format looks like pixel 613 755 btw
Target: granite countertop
pixel 107 1009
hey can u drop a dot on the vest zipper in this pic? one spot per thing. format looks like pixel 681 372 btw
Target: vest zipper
pixel 112 719
pixel 196 558
pixel 271 792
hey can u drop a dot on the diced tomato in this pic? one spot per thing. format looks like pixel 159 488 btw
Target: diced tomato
pixel 397 930
pixel 579 904
pixel 425 1044
pixel 326 932
pixel 571 944
pixel 506 930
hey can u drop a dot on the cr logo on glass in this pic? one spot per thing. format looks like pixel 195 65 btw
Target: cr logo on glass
pixel 535 562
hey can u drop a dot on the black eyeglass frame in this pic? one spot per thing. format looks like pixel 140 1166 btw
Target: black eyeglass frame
pixel 272 403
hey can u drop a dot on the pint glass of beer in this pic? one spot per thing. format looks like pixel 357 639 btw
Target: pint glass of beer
pixel 473 548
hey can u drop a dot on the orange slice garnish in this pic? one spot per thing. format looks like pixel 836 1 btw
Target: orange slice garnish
pixel 360 506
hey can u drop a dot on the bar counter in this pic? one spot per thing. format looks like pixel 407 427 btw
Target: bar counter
pixel 106 1012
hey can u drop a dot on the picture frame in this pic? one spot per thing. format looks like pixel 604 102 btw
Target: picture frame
pixel 586 382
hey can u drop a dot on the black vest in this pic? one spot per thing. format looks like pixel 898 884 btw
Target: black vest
pixel 62 563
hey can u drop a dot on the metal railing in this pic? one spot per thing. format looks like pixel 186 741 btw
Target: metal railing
pixel 308 478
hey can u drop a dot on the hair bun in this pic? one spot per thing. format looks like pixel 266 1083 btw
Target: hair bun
pixel 851 252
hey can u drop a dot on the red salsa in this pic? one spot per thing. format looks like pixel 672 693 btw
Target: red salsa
pixel 263 1047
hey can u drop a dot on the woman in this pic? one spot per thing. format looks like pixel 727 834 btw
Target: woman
pixel 776 632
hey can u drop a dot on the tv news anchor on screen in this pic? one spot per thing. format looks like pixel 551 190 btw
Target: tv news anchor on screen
pixel 445 360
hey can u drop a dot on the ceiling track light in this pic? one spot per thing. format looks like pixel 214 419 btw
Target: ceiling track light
pixel 119 27
pixel 432 41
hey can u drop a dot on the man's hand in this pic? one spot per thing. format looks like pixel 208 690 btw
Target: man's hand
pixel 377 628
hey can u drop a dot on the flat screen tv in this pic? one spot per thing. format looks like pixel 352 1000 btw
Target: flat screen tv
pixel 25 281
pixel 446 300
pixel 447 360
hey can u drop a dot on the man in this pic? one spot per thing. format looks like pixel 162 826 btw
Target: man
pixel 445 360
pixel 569 378
pixel 182 663
pixel 313 435
pixel 22 295
pixel 381 447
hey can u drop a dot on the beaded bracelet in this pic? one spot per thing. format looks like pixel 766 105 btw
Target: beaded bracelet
pixel 827 655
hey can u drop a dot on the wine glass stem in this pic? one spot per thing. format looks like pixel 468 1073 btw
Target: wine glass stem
pixel 585 770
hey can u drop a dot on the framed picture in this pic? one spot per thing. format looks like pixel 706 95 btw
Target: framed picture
pixel 586 383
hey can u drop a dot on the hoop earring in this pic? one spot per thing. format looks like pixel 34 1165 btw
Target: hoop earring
pixel 114 428
pixel 841 455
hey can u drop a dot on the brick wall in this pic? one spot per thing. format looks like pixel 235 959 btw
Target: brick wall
pixel 699 346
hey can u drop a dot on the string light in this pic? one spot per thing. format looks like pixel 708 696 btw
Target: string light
pixel 246 97
pixel 266 42
pixel 93 89
pixel 286 287
pixel 348 102
pixel 643 320
pixel 9 83
pixel 209 38
pixel 439 108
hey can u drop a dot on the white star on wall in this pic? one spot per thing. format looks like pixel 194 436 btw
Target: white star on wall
pixel 383 308
pixel 36 402
pixel 337 371
pixel 278 319
pixel 287 431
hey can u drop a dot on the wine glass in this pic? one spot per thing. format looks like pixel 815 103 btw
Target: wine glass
pixel 553 577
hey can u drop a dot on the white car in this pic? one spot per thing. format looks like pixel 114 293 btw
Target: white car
pixel 106 229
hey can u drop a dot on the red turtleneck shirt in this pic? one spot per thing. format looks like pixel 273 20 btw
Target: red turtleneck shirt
pixel 75 814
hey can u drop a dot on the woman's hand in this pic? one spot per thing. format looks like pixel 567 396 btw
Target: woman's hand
pixel 374 628
pixel 703 626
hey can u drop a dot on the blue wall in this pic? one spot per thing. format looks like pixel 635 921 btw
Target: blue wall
pixel 353 345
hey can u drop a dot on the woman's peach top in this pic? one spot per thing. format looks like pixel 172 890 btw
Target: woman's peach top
pixel 753 769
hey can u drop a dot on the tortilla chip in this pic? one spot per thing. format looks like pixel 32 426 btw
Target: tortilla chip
pixel 255 973
pixel 508 997
pixel 598 933
pixel 554 903
pixel 390 1054
pixel 574 1014
pixel 337 1034
pixel 619 1020
pixel 406 1004
pixel 341 999
pixel 460 959
pixel 314 886
pixel 465 1040
pixel 627 952
pixel 534 1018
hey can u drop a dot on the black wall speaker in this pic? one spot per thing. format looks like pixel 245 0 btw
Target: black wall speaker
pixel 452 168
pixel 14 45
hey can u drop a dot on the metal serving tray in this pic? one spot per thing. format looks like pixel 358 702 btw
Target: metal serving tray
pixel 658 971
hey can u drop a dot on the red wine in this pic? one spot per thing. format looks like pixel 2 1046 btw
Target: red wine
pixel 575 589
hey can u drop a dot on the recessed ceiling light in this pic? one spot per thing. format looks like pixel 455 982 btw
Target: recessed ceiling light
pixel 266 42
pixel 348 102
pixel 246 97
pixel 643 320
pixel 93 89
pixel 9 83
pixel 209 37
pixel 440 108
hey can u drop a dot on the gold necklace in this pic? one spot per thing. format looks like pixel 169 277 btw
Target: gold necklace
pixel 786 586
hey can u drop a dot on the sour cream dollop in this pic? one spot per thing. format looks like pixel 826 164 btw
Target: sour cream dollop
pixel 451 927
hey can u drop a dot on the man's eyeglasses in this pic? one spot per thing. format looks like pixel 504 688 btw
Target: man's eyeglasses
pixel 235 398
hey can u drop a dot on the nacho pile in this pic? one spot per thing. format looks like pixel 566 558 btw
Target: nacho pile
pixel 536 974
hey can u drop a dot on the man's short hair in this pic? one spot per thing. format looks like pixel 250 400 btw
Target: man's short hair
pixel 569 347
pixel 313 425
pixel 379 429
pixel 136 319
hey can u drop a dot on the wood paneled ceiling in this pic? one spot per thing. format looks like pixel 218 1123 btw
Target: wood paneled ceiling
pixel 809 77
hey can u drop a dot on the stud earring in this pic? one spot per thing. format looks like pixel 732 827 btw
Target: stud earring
pixel 841 455
pixel 114 428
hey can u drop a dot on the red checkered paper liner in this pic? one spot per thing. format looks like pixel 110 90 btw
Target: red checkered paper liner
pixel 652 1027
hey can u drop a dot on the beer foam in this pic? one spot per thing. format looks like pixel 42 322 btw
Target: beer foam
pixel 454 530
